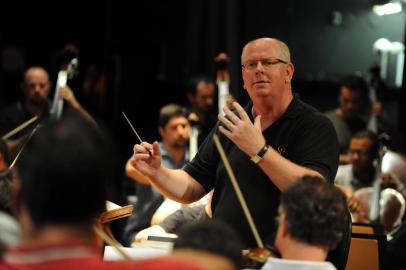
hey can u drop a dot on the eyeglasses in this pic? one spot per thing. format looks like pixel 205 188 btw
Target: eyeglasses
pixel 265 63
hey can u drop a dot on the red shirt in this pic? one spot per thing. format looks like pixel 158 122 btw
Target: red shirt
pixel 75 255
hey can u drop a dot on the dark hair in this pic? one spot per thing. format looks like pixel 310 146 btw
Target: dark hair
pixel 367 134
pixel 169 111
pixel 213 236
pixel 194 81
pixel 63 172
pixel 316 212
pixel 358 84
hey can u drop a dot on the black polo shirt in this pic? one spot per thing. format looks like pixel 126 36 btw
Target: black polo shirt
pixel 302 134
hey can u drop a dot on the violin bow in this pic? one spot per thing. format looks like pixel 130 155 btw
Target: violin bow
pixel 22 147
pixel 116 245
pixel 19 128
pixel 237 189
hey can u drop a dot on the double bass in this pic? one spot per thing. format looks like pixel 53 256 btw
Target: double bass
pixel 223 99
pixel 64 74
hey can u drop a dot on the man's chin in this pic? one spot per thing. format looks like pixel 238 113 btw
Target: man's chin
pixel 38 102
pixel 179 145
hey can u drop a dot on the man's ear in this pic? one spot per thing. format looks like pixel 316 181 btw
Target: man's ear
pixel 289 73
pixel 283 223
pixel 161 132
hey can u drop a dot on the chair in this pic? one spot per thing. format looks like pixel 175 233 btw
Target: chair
pixel 366 251
pixel 370 228
pixel 339 255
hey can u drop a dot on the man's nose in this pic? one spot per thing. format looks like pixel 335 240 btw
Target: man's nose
pixel 259 66
pixel 209 102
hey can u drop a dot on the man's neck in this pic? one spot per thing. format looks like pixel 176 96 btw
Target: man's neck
pixel 365 177
pixel 53 234
pixel 301 251
pixel 270 112
pixel 176 153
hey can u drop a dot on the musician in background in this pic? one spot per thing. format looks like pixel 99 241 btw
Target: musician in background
pixel 360 172
pixel 36 87
pixel 357 178
pixel 311 222
pixel 174 130
pixel 200 92
pixel 355 112
pixel 347 119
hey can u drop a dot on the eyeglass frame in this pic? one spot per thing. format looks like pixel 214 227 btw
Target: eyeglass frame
pixel 271 62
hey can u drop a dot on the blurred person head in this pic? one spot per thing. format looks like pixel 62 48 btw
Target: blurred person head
pixel 174 126
pixel 353 96
pixel 312 215
pixel 212 236
pixel 363 150
pixel 61 177
pixel 200 93
pixel 35 86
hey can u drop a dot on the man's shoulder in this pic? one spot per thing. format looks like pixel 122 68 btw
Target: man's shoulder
pixel 344 175
pixel 276 263
pixel 12 109
pixel 309 115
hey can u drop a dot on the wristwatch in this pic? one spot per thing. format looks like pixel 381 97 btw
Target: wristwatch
pixel 261 153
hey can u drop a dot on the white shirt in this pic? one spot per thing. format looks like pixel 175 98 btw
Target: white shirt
pixel 283 264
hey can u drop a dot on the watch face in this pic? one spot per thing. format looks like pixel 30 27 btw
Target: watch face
pixel 256 159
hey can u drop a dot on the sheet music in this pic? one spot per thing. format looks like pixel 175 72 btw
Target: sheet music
pixel 136 253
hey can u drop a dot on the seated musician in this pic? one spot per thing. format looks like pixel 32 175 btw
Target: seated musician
pixel 36 87
pixel 311 222
pixel 357 178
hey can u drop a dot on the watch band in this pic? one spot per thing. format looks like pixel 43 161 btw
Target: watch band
pixel 261 153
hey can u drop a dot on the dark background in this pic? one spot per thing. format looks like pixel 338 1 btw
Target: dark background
pixel 148 49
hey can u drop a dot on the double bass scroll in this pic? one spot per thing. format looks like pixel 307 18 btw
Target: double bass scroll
pixel 222 80
pixel 63 76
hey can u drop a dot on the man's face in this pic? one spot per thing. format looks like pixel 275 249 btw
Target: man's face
pixel 36 86
pixel 176 132
pixel 265 80
pixel 204 98
pixel 360 154
pixel 350 102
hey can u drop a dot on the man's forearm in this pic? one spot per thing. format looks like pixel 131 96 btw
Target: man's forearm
pixel 177 185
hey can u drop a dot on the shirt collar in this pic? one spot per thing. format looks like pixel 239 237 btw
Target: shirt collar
pixel 295 108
